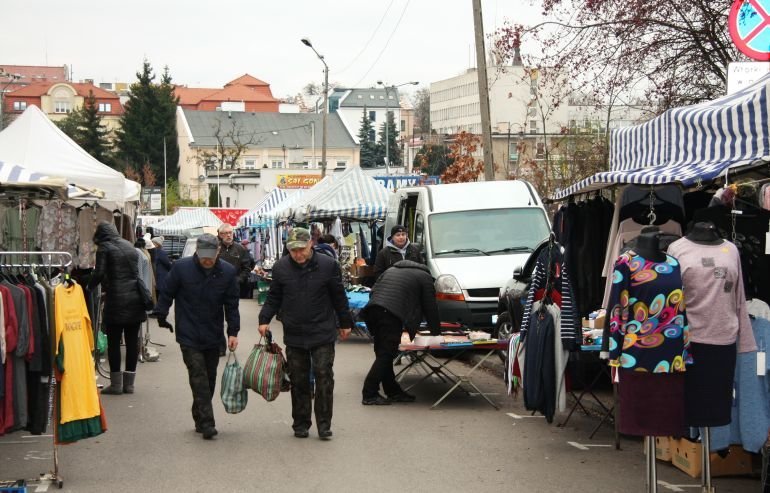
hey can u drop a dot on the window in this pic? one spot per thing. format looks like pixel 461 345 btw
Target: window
pixel 62 107
pixel 540 150
pixel 403 125
pixel 305 164
pixel 19 105
pixel 373 116
pixel 227 201
pixel 372 135
pixel 513 152
pixel 105 107
pixel 342 164
pixel 419 228
pixel 276 163
pixel 533 126
pixel 249 164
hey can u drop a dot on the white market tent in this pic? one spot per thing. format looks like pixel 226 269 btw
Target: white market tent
pixel 689 144
pixel 36 143
pixel 257 215
pixel 186 221
pixel 351 195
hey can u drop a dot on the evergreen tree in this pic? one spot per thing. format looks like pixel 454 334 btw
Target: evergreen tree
pixel 149 117
pixel 366 143
pixel 84 126
pixel 394 152
pixel 93 135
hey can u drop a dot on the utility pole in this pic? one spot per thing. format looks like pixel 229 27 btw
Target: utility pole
pixel 481 71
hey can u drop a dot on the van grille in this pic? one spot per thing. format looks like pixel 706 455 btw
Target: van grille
pixel 484 293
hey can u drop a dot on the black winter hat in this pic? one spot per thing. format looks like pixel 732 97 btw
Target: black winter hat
pixel 397 229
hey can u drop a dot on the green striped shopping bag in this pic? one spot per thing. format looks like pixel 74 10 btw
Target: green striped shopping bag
pixel 264 370
pixel 234 395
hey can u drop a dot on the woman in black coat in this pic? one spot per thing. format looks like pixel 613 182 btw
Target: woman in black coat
pixel 117 271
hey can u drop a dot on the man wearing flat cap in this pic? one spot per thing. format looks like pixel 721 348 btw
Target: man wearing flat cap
pixel 205 291
pixel 397 247
pixel 307 289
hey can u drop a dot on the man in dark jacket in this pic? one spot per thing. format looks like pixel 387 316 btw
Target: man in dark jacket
pixel 397 247
pixel 401 298
pixel 162 264
pixel 307 288
pixel 205 290
pixel 117 271
pixel 236 255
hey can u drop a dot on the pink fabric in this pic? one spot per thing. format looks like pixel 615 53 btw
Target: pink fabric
pixel 713 293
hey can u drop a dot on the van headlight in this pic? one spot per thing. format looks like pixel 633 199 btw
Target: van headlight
pixel 447 288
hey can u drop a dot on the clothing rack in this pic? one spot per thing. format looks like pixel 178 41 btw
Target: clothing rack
pixel 49 260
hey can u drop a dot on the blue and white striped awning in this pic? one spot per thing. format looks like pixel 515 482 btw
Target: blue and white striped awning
pixel 353 195
pixel 257 215
pixel 16 176
pixel 688 144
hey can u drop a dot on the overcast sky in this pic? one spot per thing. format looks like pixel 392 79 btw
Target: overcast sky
pixel 208 43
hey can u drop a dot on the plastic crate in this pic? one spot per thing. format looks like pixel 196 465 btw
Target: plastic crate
pixel 18 486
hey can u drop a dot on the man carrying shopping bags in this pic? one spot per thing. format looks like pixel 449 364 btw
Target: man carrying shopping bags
pixel 307 288
pixel 205 290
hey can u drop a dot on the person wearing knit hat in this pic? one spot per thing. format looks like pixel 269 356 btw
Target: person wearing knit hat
pixel 158 240
pixel 397 247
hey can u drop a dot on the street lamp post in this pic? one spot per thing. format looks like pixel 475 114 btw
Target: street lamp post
pixel 307 43
pixel 387 124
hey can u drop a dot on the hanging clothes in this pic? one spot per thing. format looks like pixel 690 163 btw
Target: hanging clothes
pixel 539 366
pixel 88 218
pixel 58 229
pixel 19 226
pixel 78 400
pixel 552 260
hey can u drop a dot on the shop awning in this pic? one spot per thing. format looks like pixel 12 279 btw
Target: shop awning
pixel 688 144
pixel 257 214
pixel 353 195
pixel 187 221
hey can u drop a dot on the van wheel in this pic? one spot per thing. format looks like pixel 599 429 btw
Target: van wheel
pixel 503 330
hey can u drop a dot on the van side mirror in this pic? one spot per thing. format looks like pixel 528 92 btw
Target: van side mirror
pixel 421 251
pixel 517 272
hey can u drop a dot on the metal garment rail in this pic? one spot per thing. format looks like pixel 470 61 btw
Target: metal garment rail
pixel 48 260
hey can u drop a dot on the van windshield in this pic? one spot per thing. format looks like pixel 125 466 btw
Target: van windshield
pixel 486 232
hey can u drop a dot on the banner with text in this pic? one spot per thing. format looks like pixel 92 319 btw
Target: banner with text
pixel 296 181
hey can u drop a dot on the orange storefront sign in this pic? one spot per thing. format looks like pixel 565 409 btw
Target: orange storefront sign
pixel 296 181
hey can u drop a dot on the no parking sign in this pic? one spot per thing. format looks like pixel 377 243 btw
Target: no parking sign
pixel 749 24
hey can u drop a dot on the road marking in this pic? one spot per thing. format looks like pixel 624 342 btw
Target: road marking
pixel 677 487
pixel 42 488
pixel 585 446
pixel 516 416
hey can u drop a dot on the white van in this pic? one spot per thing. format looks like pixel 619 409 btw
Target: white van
pixel 473 236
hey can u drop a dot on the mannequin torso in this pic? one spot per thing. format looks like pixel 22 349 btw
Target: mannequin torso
pixel 648 246
pixel 704 233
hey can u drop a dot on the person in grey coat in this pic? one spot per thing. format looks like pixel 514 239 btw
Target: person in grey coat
pixel 401 298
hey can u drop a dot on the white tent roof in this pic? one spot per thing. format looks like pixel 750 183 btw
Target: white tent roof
pixel 15 176
pixel 185 221
pixel 33 141
pixel 257 215
pixel 352 195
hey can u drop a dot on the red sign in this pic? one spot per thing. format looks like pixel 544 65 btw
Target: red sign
pixel 230 216
pixel 749 24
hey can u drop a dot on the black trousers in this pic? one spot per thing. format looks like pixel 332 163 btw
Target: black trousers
pixel 202 372
pixel 130 334
pixel 299 361
pixel 386 330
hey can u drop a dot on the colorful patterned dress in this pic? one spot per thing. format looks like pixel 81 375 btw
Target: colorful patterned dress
pixel 648 324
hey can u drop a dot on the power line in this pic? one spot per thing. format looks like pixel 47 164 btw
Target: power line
pixel 366 45
pixel 386 44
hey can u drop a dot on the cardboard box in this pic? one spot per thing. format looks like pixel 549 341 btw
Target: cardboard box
pixel 687 456
pixel 594 323
pixel 663 448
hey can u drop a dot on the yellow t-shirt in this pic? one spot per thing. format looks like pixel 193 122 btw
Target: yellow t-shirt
pixel 79 399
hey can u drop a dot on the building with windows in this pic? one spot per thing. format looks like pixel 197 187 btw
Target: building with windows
pixel 350 105
pixel 246 93
pixel 232 147
pixel 58 99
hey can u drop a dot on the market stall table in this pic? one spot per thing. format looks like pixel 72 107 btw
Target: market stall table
pixel 608 413
pixel 357 300
pixel 426 357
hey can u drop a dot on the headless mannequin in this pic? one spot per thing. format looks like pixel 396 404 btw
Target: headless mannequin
pixel 704 233
pixel 648 246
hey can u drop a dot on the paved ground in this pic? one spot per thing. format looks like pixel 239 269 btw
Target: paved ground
pixel 463 445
